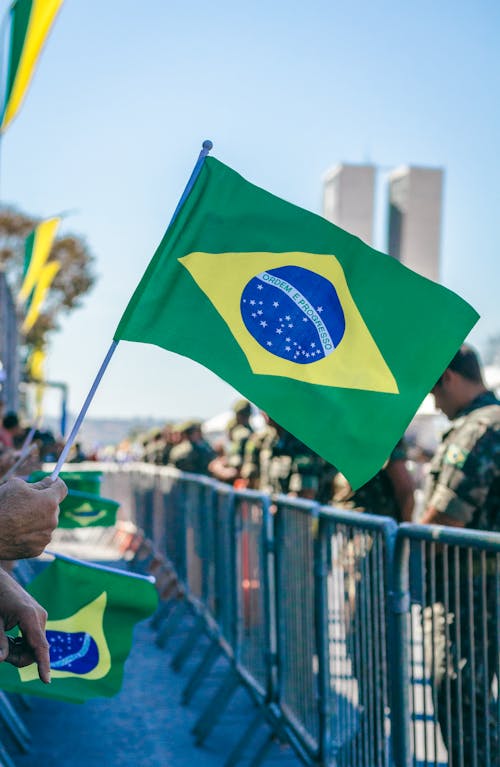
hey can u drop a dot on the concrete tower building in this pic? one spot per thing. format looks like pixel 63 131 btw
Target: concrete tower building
pixel 348 199
pixel 415 205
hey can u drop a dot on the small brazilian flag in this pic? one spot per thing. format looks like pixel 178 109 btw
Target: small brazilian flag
pixel 81 481
pixel 337 342
pixel 87 510
pixel 30 23
pixel 92 611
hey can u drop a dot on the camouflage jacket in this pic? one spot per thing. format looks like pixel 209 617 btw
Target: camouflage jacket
pixel 464 477
pixel 238 438
pixel 192 457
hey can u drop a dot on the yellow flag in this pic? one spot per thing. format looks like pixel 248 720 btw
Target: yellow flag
pixel 31 21
pixel 37 249
pixel 47 275
pixel 36 363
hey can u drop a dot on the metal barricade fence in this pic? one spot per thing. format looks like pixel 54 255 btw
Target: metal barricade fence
pixel 171 508
pixel 296 531
pixel 450 640
pixel 143 483
pixel 355 556
pixel 253 648
pixel 116 484
pixel 199 514
pixel 225 603
pixel 375 655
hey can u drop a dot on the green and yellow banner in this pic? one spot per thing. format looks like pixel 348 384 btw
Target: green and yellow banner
pixel 45 280
pixel 36 252
pixel 31 21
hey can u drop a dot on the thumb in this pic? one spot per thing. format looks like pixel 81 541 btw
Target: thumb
pixel 52 488
pixel 42 484
pixel 4 642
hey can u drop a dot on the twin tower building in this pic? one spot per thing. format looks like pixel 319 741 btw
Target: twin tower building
pixel 414 214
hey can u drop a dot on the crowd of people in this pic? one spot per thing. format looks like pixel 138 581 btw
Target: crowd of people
pixel 273 460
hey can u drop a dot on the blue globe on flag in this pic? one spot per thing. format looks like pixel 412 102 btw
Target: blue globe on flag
pixel 293 313
pixel 76 652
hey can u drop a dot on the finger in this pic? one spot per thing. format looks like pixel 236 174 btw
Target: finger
pixel 20 653
pixel 47 483
pixel 4 642
pixel 56 490
pixel 37 641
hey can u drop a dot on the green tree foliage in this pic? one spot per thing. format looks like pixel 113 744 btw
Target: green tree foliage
pixel 74 279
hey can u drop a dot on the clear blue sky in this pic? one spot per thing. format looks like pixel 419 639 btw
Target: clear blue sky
pixel 126 91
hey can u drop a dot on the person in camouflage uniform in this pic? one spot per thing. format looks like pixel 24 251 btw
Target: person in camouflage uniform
pixel 462 639
pixel 239 431
pixel 390 493
pixel 259 469
pixel 277 462
pixel 193 453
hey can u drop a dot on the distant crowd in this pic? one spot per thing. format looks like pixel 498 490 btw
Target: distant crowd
pixel 273 460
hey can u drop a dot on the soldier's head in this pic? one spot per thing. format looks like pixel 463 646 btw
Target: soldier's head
pixel 460 384
pixel 242 410
pixel 191 430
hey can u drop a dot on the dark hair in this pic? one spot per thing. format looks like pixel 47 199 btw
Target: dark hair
pixel 466 363
pixel 10 420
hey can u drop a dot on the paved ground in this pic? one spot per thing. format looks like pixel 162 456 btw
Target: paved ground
pixel 143 725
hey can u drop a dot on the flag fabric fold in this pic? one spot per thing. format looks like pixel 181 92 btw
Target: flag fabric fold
pixel 92 611
pixel 337 342
pixel 31 21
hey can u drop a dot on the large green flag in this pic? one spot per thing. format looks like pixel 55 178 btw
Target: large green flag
pixel 87 510
pixel 91 615
pixel 337 342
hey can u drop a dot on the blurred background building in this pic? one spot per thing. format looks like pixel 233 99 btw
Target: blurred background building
pixel 349 198
pixel 415 210
pixel 413 217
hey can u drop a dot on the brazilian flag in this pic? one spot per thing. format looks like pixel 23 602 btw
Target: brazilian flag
pixel 81 481
pixel 337 342
pixel 92 611
pixel 87 510
pixel 30 24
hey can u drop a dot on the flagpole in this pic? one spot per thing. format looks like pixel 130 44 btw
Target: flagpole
pixel 25 449
pixel 206 147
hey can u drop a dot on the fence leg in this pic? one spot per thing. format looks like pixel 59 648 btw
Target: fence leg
pixel 161 614
pixel 399 604
pixel 14 724
pixel 171 624
pixel 263 751
pixel 243 742
pixel 216 706
pixel 187 645
pixel 5 758
pixel 201 671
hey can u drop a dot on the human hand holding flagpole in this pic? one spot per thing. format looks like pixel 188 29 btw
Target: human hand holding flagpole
pixel 206 147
